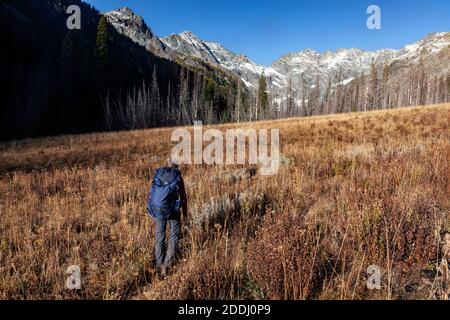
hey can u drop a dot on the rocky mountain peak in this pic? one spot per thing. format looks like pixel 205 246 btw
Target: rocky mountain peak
pixel 295 68
pixel 128 23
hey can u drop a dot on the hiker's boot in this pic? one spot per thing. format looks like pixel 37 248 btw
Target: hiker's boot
pixel 163 272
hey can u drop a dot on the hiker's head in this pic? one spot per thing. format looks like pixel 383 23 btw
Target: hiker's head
pixel 173 163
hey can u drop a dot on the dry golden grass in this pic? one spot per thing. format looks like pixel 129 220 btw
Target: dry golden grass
pixel 355 190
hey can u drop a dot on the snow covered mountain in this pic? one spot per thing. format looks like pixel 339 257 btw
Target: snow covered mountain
pixel 341 66
pixel 338 67
pixel 294 68
pixel 189 44
pixel 431 45
pixel 347 64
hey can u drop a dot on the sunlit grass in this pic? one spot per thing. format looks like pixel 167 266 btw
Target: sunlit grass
pixel 355 190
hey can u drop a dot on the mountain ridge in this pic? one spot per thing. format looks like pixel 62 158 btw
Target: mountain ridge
pixel 301 68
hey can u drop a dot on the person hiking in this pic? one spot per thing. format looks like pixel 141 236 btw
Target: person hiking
pixel 166 199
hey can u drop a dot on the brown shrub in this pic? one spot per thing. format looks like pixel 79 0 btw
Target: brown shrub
pixel 352 191
pixel 284 260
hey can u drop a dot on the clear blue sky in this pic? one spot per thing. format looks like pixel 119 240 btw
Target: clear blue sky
pixel 266 29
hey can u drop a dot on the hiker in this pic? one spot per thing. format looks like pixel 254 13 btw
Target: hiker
pixel 167 197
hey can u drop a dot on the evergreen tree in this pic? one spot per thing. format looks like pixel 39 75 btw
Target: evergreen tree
pixel 208 90
pixel 101 45
pixel 263 96
pixel 238 102
pixel 290 99
pixel 70 53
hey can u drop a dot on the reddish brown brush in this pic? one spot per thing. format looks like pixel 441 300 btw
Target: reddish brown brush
pixel 353 191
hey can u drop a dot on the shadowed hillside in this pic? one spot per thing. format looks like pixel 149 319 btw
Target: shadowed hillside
pixel 56 81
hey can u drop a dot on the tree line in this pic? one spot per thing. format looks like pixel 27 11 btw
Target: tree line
pixel 197 98
pixel 377 90
pixel 56 81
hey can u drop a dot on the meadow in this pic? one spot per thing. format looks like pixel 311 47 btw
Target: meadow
pixel 353 191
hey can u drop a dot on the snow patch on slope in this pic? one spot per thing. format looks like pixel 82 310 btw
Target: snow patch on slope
pixel 214 53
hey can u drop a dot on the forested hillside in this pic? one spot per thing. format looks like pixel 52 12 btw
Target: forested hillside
pixel 115 74
pixel 55 81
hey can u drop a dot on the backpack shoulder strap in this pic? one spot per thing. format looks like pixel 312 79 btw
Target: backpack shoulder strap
pixel 175 177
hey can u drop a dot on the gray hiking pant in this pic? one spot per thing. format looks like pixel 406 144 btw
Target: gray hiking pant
pixel 164 258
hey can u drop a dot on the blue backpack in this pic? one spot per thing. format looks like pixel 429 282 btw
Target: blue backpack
pixel 164 198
